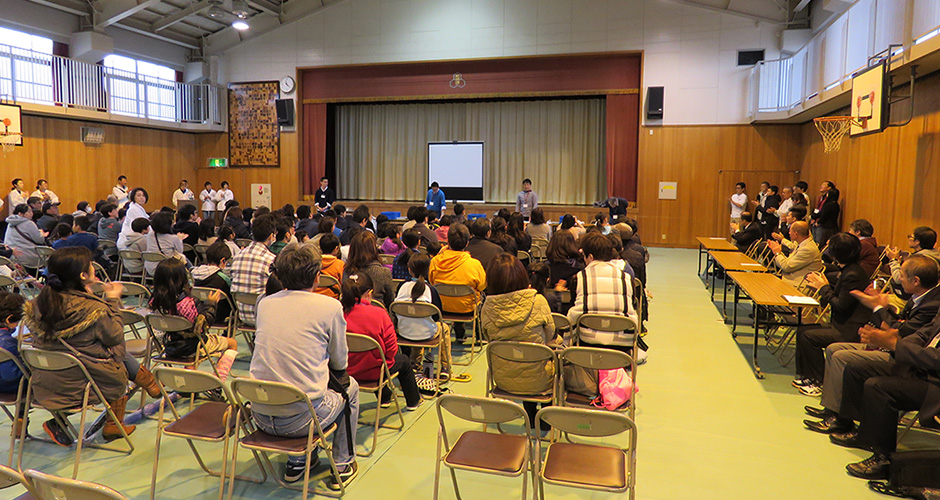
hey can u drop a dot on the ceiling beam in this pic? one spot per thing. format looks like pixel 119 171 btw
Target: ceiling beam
pixel 143 28
pixel 729 11
pixel 178 16
pixel 70 6
pixel 263 23
pixel 110 12
pixel 265 6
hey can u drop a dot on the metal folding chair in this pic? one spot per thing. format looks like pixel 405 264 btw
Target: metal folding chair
pixel 386 259
pixel 502 454
pixel 49 487
pixel 156 257
pixel 38 361
pixel 134 257
pixel 168 324
pixel 44 253
pixel 460 291
pixel 225 324
pixel 14 399
pixel 539 247
pixel 586 465
pixel 201 252
pixel 524 256
pixel 536 360
pixel 594 358
pixel 19 279
pixel 251 391
pixel 562 326
pixel 327 281
pixel 362 343
pixel 10 477
pixel 100 273
pixel 131 290
pixel 242 242
pixel 421 310
pixel 211 421
pixel 240 325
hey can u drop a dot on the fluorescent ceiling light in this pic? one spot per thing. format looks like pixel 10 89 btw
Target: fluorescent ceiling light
pixel 240 25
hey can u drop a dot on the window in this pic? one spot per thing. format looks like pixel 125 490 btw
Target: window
pixel 26 60
pixel 140 88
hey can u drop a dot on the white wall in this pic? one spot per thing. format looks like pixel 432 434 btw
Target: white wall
pixel 690 51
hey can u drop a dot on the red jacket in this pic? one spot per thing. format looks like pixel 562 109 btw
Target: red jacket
pixel 373 321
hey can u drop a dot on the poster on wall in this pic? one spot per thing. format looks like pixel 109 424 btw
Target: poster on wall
pixel 261 195
pixel 254 135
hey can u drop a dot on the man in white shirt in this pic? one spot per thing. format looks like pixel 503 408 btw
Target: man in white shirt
pixel 44 193
pixel 786 203
pixel 182 194
pixel 738 202
pixel 120 191
pixel 222 197
pixel 208 201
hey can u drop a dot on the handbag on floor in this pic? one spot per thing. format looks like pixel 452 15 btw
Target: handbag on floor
pixel 912 474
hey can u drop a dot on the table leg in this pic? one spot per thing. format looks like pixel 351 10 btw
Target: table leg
pixel 713 281
pixel 724 295
pixel 734 312
pixel 700 252
pixel 756 310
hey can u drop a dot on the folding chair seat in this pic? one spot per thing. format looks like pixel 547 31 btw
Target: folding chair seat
pixel 211 421
pixel 134 257
pixel 250 391
pixel 14 399
pixel 591 466
pixel 49 487
pixel 362 343
pixel 420 310
pixel 501 454
pixel 10 477
pixel 594 358
pixel 461 291
pixel 38 360
pixel 240 325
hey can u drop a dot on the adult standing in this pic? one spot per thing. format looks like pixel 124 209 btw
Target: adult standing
pixel 208 201
pixel 738 202
pixel 786 203
pixel 435 201
pixel 767 211
pixel 44 193
pixel 183 193
pixel 826 215
pixel 324 196
pixel 526 200
pixel 18 195
pixel 135 210
pixel 222 198
pixel 120 191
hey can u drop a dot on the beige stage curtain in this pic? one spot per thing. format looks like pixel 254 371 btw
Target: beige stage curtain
pixel 382 152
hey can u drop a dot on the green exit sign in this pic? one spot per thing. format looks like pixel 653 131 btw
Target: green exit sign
pixel 218 162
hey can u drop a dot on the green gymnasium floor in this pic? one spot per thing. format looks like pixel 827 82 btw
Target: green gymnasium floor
pixel 707 428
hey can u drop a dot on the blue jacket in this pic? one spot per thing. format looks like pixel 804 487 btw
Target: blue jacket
pixel 435 202
pixel 10 374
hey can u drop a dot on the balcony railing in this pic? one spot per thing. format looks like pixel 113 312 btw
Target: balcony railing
pixel 34 77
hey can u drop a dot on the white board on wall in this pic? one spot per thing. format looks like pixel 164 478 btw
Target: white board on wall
pixel 261 195
pixel 667 190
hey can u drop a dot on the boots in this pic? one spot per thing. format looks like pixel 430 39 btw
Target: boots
pixel 147 382
pixel 111 430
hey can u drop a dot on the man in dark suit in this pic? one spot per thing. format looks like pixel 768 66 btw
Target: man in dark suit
pixel 875 391
pixel 919 277
pixel 744 237
pixel 480 247
pixel 767 211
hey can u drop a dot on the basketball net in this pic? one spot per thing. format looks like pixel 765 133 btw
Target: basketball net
pixel 833 129
pixel 9 140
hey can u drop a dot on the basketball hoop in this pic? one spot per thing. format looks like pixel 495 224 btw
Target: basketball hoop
pixel 833 129
pixel 9 141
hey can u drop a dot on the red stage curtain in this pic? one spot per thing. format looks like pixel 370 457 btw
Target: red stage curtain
pixel 314 137
pixel 622 142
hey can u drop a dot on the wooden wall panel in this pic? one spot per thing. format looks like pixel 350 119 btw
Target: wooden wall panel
pixel 699 158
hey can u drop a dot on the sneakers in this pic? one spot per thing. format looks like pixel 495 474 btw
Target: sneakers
pixel 802 382
pixel 640 356
pixel 57 433
pixel 346 474
pixel 294 472
pixel 811 390
pixel 386 404
pixel 414 406
pixel 425 385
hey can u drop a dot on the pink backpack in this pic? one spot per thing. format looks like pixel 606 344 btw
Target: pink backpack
pixel 615 387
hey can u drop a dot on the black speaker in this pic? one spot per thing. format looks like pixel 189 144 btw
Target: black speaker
pixel 654 103
pixel 285 112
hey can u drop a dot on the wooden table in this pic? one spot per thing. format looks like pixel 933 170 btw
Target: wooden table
pixel 718 244
pixel 765 290
pixel 732 261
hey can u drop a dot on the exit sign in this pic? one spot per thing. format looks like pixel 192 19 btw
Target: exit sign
pixel 218 162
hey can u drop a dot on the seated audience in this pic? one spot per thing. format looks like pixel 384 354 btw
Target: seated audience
pixel 803 260
pixel 564 262
pixel 161 239
pixel 421 225
pixel 455 266
pixel 23 236
pixel 80 235
pixel 187 222
pixel 617 258
pixel 50 216
pixel 797 213
pixel 251 266
pixel 539 274
pixel 570 223
pixel 500 237
pixel 304 221
pixel 516 229
pixel 602 288
pixel 136 241
pixel 416 289
pixel 235 218
pixel 459 216
pixel 921 241
pixel 212 275
pixel 747 235
pixel 227 235
pixel 60 236
pixel 537 227
pixel 441 231
pixel 392 244
pixel 314 327
pixel 173 295
pixel 410 239
pixel 11 311
pixel 207 232
pixel 480 248
pixel 869 258
pixel 919 276
pixel 283 234
pixel 331 264
pixel 847 313
pixel 366 319
pixel 602 223
pixel 135 210
pixel 301 236
pixel 515 312
pixel 364 258
pixel 326 225
pixel 633 253
pixel 360 218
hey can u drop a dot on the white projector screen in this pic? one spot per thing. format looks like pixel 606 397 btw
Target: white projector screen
pixel 458 168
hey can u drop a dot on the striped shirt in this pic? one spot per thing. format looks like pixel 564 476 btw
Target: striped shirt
pixel 250 270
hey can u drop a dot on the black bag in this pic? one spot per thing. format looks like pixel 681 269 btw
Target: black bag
pixel 912 474
pixel 339 382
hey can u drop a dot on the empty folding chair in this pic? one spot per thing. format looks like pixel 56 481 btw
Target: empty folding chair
pixel 592 466
pixel 461 291
pixel 38 361
pixel 211 421
pixel 15 399
pixel 134 258
pixel 539 246
pixel 362 343
pixel 10 477
pixel 420 310
pixel 251 391
pixel 49 487
pixel 498 453
pixel 131 290
pixel 593 359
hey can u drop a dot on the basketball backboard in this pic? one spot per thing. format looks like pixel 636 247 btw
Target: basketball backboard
pixel 11 121
pixel 868 100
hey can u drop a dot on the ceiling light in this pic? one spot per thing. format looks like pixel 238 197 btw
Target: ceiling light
pixel 215 11
pixel 240 9
pixel 240 25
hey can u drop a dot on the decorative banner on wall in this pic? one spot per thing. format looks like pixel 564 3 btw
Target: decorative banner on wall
pixel 261 195
pixel 254 136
